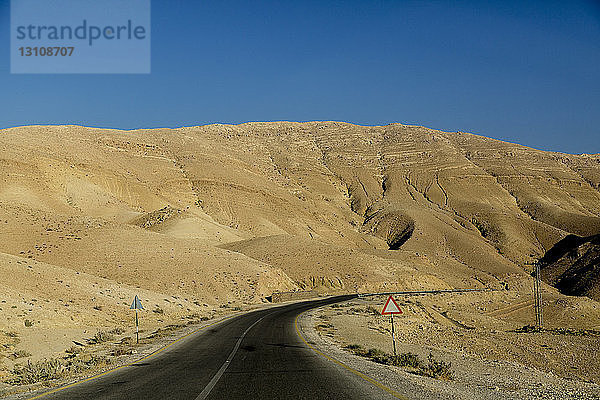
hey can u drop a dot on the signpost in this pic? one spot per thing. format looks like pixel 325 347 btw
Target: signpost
pixel 391 308
pixel 136 305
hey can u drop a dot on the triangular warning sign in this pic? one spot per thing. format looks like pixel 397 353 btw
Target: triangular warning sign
pixel 137 304
pixel 391 307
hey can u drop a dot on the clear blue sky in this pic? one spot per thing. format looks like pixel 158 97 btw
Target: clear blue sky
pixel 526 72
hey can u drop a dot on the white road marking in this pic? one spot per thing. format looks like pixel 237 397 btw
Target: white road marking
pixel 204 394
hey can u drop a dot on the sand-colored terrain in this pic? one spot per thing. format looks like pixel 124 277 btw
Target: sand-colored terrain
pixel 480 336
pixel 196 218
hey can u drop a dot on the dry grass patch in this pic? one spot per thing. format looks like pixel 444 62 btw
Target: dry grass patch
pixel 101 337
pixel 52 369
pixel 411 362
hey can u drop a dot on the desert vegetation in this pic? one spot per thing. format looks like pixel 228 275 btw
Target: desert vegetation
pixel 410 362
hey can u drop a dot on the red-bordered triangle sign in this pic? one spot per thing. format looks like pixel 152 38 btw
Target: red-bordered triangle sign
pixel 391 307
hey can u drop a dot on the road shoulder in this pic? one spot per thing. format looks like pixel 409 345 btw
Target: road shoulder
pixel 481 379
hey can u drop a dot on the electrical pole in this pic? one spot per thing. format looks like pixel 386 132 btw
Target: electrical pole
pixel 537 294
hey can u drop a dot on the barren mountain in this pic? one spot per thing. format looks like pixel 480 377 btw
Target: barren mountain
pixel 203 216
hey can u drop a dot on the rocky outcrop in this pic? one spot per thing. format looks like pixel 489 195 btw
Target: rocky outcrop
pixel 573 266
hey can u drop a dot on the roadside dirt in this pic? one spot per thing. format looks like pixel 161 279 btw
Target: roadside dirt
pixel 477 334
pixel 120 350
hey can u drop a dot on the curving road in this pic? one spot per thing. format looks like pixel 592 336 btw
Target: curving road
pixel 257 355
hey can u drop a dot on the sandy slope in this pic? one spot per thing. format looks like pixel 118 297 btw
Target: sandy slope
pixel 224 214
pixel 476 334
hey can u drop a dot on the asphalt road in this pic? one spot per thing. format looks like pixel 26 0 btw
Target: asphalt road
pixel 257 355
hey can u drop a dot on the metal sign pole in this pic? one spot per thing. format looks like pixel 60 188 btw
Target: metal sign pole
pixel 393 335
pixel 538 280
pixel 391 308
pixel 136 305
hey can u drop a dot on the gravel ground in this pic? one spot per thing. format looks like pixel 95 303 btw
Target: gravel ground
pixel 473 379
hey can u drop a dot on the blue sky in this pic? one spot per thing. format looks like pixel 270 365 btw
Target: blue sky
pixel 525 72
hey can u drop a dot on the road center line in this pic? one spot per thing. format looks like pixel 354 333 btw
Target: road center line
pixel 204 394
pixel 121 367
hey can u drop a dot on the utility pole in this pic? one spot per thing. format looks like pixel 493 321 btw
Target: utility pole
pixel 537 294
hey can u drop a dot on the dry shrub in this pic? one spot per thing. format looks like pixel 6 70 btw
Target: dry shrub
pixel 39 371
pixel 101 337
pixel 434 368
pixel 121 351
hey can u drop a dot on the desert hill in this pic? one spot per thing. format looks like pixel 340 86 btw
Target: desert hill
pixel 227 214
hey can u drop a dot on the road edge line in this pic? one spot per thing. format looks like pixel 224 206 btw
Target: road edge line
pixel 348 368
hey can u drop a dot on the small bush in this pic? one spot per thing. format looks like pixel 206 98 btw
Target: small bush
pixel 101 337
pixel 158 310
pixel 354 347
pixel 96 361
pixel 173 327
pixel 378 356
pixel 438 369
pixel 84 363
pixel 120 351
pixel 357 349
pixel 433 368
pixel 44 370
pixel 77 366
pixel 406 360
pixel 528 329
pixel 117 331
pixel 28 323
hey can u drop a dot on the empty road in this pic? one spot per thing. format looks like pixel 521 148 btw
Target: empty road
pixel 257 355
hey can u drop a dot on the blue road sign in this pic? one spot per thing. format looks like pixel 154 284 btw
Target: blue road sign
pixel 137 304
